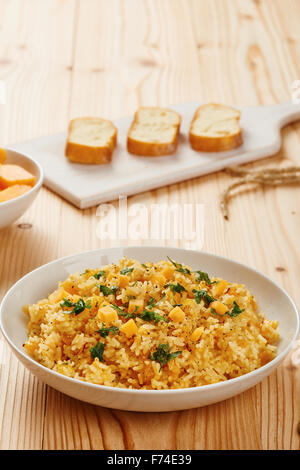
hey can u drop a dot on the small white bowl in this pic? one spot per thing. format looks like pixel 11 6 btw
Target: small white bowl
pixel 13 209
pixel 272 299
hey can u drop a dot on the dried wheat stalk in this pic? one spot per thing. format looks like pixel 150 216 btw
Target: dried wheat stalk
pixel 266 176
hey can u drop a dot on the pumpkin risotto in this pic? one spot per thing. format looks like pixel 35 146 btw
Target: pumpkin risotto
pixel 150 326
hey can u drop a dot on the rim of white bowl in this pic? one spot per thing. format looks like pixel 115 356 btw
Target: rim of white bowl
pixel 34 188
pixel 270 365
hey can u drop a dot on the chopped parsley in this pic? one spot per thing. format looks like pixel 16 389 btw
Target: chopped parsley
pixel 202 276
pixel 236 310
pixel 107 290
pixel 203 294
pixel 176 287
pixel 99 274
pixel 147 315
pixel 97 351
pixel 151 302
pixel 78 306
pixel 179 267
pixel 144 266
pixel 103 332
pixel 214 312
pixel 118 309
pixel 163 355
pixel 125 314
pixel 126 270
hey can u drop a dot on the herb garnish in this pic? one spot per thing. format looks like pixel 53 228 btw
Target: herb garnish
pixel 147 315
pixel 176 287
pixel 202 276
pixel 203 294
pixel 103 332
pixel 118 308
pixel 126 270
pixel 163 355
pixel 99 274
pixel 107 290
pixel 236 310
pixel 214 312
pixel 151 302
pixel 179 267
pixel 125 314
pixel 78 306
pixel 97 351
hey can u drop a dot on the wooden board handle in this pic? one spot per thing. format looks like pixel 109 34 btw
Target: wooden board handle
pixel 285 113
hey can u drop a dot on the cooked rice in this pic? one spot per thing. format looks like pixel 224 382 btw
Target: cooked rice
pixel 224 345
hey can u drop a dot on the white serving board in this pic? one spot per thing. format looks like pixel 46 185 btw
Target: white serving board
pixel 88 185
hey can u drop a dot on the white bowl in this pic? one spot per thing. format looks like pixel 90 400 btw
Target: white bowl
pixel 13 209
pixel 273 300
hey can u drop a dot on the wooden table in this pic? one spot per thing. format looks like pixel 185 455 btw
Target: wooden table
pixel 67 58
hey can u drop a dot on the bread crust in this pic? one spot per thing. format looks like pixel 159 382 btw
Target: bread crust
pixel 86 154
pixel 202 143
pixel 152 149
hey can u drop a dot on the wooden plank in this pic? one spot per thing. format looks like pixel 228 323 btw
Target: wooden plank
pixel 32 63
pixel 115 56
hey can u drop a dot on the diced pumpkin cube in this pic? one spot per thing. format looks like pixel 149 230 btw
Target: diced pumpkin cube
pixel 220 308
pixel 158 278
pixel 58 295
pixel 135 306
pixel 69 286
pixel 129 328
pixel 11 175
pixel 14 191
pixel 2 155
pixel 176 314
pixel 123 281
pixel 197 333
pixel 220 287
pixel 168 272
pixel 107 314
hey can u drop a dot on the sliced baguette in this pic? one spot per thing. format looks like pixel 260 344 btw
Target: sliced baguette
pixel 91 140
pixel 215 128
pixel 154 132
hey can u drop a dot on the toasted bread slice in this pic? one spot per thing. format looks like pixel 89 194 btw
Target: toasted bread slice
pixel 154 132
pixel 215 128
pixel 91 140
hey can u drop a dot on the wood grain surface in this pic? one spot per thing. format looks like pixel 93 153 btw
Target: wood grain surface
pixel 67 58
